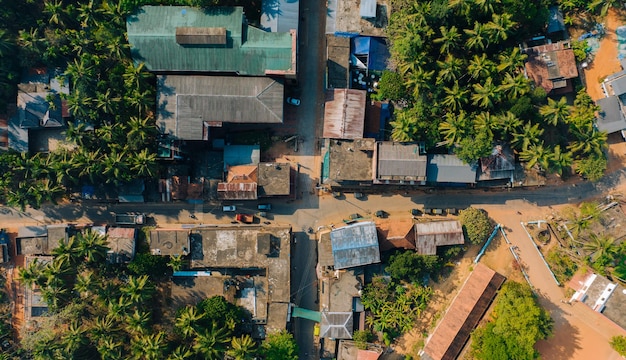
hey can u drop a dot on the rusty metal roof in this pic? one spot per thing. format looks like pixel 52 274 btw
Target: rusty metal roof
pixel 429 235
pixel 548 65
pixel 468 307
pixel 344 114
pixel 396 234
pixel 237 191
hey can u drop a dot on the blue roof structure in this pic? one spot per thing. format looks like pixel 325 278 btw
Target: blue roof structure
pixel 355 245
pixel 374 48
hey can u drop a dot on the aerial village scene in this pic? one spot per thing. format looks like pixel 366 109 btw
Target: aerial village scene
pixel 305 179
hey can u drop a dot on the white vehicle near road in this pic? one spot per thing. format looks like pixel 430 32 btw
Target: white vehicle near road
pixel 229 208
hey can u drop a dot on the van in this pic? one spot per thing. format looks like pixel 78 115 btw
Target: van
pixel 229 208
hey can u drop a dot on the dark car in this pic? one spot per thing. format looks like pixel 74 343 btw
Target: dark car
pixel 416 212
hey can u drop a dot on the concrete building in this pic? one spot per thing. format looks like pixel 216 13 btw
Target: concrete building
pixel 355 245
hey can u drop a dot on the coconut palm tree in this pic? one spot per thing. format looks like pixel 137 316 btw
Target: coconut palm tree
pixel 148 346
pixel 450 69
pixel 530 134
pixel 404 127
pixel 143 164
pixel 137 322
pixel 242 348
pixel 513 61
pixel 485 95
pixel 509 124
pixel 555 112
pixel 449 39
pixel 601 246
pixel 481 67
pixel 211 343
pixel 486 122
pixel 536 155
pixel 588 141
pixel 30 274
pixel 56 11
pixel 103 327
pixel 454 127
pixel 74 338
pixel 92 246
pixel 515 86
pixel 478 37
pixel 138 289
pixel 560 161
pixel 500 26
pixel 187 321
pixel 110 349
pixel 180 353
pixel 420 80
pixel 455 97
pixel 175 262
pixel 115 168
pixel 486 6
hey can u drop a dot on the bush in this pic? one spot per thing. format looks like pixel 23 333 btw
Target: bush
pixel 618 343
pixel 148 264
pixel 561 264
pixel 280 345
pixel 412 267
pixel 476 225
pixel 361 338
pixel 391 86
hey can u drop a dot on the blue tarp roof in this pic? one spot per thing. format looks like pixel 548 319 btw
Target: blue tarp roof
pixel 375 48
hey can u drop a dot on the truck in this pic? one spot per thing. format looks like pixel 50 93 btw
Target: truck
pixel 130 219
pixel 245 218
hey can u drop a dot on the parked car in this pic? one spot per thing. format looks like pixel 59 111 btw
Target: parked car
pixel 245 218
pixel 293 101
pixel 416 212
pixel 381 214
pixel 229 208
pixel 265 207
pixel 358 195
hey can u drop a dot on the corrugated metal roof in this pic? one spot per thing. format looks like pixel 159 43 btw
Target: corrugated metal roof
pixel 463 315
pixel 396 234
pixel 344 114
pixel 186 103
pixel 32 231
pixel 449 169
pixel 610 117
pixel 121 243
pixel 499 165
pixel 249 51
pixel 398 161
pixel 429 235
pixel 550 62
pixel 355 245
pixel 237 191
pixel 336 325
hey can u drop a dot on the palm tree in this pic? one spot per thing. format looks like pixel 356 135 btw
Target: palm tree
pixel 103 327
pixel 79 105
pixel 137 288
pixel 242 348
pixel 455 97
pixel 509 123
pixel 211 343
pixel 30 274
pixel 114 167
pixel 480 66
pixel 515 86
pixel 92 246
pixel 180 353
pixel 529 135
pixel 601 246
pixel 513 61
pixel 55 10
pixel 560 161
pixel 404 127
pixel 6 43
pixel 137 322
pixel 175 262
pixel 536 155
pixel 485 95
pixel 110 349
pixel 477 37
pixel 486 6
pixel 500 26
pixel 555 111
pixel 135 76
pixel 186 321
pixel 420 80
pixel 140 131
pixel 143 164
pixel 449 39
pixel 148 346
pixel 106 102
pixel 117 309
pixel 454 128
pixel 588 141
pixel 85 284
pixel 74 338
pixel 450 69
pixel 486 122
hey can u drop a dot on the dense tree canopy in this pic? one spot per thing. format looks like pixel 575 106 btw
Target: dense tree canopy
pixel 476 225
pixel 518 322
pixel 460 83
pixel 412 267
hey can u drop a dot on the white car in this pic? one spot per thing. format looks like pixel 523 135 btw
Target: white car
pixel 293 101
pixel 229 208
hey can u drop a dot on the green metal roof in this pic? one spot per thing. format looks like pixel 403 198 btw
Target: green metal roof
pixel 248 50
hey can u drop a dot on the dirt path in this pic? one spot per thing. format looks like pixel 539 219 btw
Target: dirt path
pixel 605 61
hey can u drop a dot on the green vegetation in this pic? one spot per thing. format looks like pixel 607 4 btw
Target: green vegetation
pixel 476 225
pixel 361 338
pixel 395 307
pixel 459 82
pixel 412 267
pixel 561 264
pixel 105 311
pixel 518 322
pixel 618 343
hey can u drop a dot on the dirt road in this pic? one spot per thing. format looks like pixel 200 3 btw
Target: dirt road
pixel 605 61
